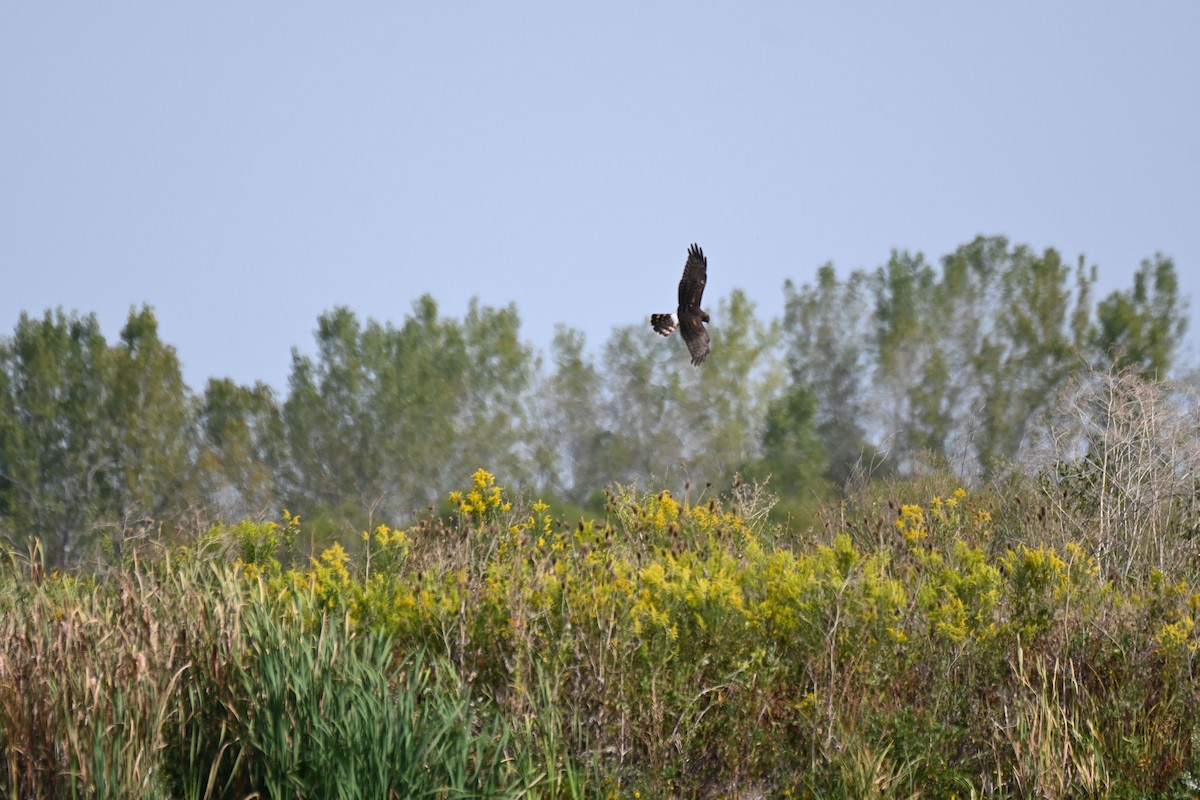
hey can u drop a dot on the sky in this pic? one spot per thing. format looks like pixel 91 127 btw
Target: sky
pixel 244 167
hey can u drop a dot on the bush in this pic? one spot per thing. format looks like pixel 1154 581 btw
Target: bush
pixel 937 646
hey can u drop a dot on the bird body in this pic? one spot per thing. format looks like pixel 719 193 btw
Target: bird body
pixel 689 318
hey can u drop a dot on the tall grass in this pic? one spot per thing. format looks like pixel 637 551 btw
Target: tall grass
pixel 927 643
pixel 185 680
pixel 336 713
pixel 87 677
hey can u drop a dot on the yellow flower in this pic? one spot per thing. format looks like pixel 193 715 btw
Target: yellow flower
pixel 482 478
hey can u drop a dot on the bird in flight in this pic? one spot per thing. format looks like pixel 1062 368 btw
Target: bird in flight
pixel 689 317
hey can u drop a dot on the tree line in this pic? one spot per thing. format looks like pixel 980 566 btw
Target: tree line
pixel 883 371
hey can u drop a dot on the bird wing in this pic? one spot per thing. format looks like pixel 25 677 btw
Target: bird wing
pixel 694 334
pixel 695 275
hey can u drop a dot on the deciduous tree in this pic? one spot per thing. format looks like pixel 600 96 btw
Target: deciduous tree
pixel 55 373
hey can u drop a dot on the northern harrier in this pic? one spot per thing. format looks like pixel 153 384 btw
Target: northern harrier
pixel 689 317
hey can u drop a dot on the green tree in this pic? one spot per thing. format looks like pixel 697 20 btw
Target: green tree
pixel 55 374
pixel 828 339
pixel 644 431
pixel 492 424
pixel 334 442
pixel 1141 328
pixel 793 462
pixel 905 355
pixel 1036 344
pixel 97 443
pixel 422 389
pixel 243 450
pixel 152 477
pixel 569 436
pixel 384 418
pixel 927 326
pixel 725 408
pixel 967 357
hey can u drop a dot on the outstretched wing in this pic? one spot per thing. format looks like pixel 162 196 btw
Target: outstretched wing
pixel 691 328
pixel 691 285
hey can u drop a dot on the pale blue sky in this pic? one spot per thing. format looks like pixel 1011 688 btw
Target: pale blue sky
pixel 243 167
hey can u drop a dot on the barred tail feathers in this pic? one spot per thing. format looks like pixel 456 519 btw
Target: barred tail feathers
pixel 664 324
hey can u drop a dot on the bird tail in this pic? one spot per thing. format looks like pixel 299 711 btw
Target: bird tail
pixel 664 324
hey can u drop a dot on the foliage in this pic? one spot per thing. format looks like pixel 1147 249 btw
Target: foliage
pixel 196 678
pixel 1139 329
pixel 568 444
pixel 667 649
pixel 901 636
pixel 53 429
pixel 910 367
pixel 334 716
pixel 954 364
pixel 827 356
pixel 792 454
pixel 242 433
pixel 96 441
pixel 150 469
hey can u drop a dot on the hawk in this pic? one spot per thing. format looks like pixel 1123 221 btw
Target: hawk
pixel 689 317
